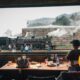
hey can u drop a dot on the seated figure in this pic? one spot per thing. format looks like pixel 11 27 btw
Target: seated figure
pixel 74 68
pixel 26 48
pixel 22 62
pixel 74 55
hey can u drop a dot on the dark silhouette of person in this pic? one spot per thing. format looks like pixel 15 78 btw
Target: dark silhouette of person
pixel 73 58
pixel 74 55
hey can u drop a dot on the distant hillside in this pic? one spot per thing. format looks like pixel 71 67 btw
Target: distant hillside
pixel 75 17
pixel 40 22
pixel 64 19
pixel 68 20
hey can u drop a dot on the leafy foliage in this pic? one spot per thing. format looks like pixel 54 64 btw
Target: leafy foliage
pixel 62 20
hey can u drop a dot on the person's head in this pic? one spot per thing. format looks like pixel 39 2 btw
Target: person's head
pixel 24 56
pixel 76 44
pixel 19 58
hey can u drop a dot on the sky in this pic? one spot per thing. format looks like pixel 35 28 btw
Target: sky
pixel 14 19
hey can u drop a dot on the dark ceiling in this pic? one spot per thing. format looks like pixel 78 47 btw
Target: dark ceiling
pixel 26 3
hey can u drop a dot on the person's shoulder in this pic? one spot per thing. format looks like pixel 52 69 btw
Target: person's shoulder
pixel 74 51
pixel 79 50
pixel 71 51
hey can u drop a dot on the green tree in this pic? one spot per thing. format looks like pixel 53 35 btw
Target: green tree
pixel 62 20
